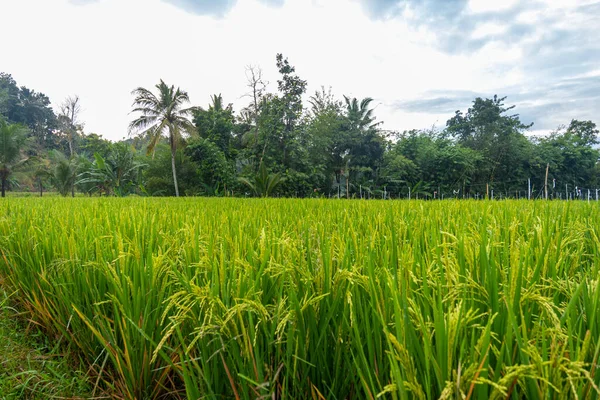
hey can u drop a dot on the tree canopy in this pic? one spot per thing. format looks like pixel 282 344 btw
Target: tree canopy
pixel 288 143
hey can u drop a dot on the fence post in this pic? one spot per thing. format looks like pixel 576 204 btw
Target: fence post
pixel 546 181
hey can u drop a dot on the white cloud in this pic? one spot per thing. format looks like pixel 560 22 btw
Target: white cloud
pixel 105 49
pixel 481 6
pixel 488 29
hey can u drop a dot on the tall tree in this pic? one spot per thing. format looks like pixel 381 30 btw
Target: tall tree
pixel 93 143
pixel 570 154
pixel 292 88
pixel 216 123
pixel 9 98
pixel 12 140
pixel 498 137
pixel 257 86
pixel 162 114
pixel 366 145
pixel 29 108
pixel 246 128
pixel 327 140
pixel 69 120
pixel 360 114
pixel 585 132
pixel 214 170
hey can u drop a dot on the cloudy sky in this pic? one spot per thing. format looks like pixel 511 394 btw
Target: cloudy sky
pixel 420 59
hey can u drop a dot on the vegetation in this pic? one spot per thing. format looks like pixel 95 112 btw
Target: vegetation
pixel 300 298
pixel 263 183
pixel 268 298
pixel 31 367
pixel 327 147
pixel 12 139
pixel 160 114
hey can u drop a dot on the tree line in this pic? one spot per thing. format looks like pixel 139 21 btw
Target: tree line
pixel 280 145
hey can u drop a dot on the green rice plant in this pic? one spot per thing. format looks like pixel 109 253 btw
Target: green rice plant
pixel 318 299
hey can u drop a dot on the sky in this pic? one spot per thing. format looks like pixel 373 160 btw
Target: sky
pixel 421 60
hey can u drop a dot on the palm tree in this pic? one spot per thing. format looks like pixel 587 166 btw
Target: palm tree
pixel 42 172
pixel 263 184
pixel 217 102
pixel 115 175
pixel 12 139
pixel 360 115
pixel 64 173
pixel 163 114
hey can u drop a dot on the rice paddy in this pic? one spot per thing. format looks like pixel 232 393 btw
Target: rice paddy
pixel 314 299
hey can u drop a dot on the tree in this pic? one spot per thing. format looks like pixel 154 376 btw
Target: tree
pixel 157 176
pixel 94 143
pixel 359 114
pixel 213 168
pixel 160 114
pixel 257 87
pixel 64 173
pixel 271 131
pixel 12 140
pixel 29 108
pixel 291 88
pixel 246 127
pixel 69 120
pixel 9 98
pixel 216 124
pixel 570 154
pixel 327 141
pixel 117 174
pixel 365 144
pixel 498 137
pixel 41 173
pixel 585 132
pixel 4 97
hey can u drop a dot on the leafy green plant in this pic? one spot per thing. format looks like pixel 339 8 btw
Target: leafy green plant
pixel 117 175
pixel 263 184
pixel 64 172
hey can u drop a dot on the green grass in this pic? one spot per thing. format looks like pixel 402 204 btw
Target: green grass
pixel 320 299
pixel 33 368
pixel 37 194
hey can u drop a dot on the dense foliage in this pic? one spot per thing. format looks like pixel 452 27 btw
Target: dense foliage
pixel 313 298
pixel 320 147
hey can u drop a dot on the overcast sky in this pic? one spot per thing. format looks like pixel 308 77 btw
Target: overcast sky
pixel 420 59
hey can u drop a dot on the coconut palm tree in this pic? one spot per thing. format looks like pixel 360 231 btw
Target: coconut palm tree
pixel 217 102
pixel 163 114
pixel 359 114
pixel 64 173
pixel 12 140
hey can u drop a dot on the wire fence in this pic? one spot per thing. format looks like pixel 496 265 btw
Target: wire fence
pixel 553 191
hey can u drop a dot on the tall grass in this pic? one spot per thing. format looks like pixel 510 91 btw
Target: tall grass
pixel 246 299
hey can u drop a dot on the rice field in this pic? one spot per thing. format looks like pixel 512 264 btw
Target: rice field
pixel 314 299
